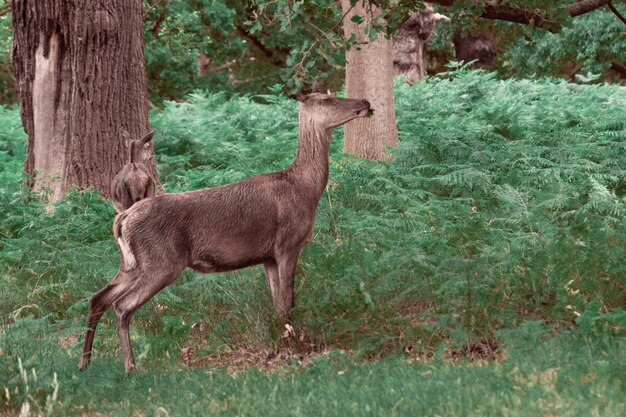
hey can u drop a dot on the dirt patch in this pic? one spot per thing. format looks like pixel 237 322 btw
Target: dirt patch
pixel 479 352
pixel 483 350
pixel 416 311
pixel 294 349
pixel 261 358
pixel 68 341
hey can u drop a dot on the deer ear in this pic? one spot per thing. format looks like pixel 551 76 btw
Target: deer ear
pixel 299 96
pixel 148 137
pixel 319 87
pixel 125 135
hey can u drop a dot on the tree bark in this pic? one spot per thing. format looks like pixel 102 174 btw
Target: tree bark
pixel 478 45
pixel 81 79
pixel 369 75
pixel 409 44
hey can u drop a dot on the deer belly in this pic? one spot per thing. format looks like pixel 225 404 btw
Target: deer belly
pixel 223 262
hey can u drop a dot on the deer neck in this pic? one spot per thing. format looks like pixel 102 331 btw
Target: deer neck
pixel 310 167
pixel 134 154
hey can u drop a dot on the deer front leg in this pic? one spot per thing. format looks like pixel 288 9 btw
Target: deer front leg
pixel 271 270
pixel 283 289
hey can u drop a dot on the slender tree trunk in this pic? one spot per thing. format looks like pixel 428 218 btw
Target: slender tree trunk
pixel 81 77
pixel 369 75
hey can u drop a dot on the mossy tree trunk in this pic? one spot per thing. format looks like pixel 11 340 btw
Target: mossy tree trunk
pixel 369 75
pixel 81 77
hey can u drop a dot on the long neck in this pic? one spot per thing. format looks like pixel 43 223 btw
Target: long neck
pixel 311 164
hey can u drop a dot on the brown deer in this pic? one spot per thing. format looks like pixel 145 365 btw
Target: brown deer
pixel 266 219
pixel 133 182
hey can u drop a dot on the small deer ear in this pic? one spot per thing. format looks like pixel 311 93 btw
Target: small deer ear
pixel 299 96
pixel 125 135
pixel 148 137
pixel 319 87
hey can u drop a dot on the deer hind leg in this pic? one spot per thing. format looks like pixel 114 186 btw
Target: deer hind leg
pixel 125 306
pixel 98 305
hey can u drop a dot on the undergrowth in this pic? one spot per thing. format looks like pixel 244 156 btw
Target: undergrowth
pixel 501 216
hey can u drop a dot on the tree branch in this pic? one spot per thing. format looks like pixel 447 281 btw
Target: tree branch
pixel 300 65
pixel 306 22
pixel 497 11
pixel 515 15
pixel 5 8
pixel 269 54
pixel 617 13
pixel 585 6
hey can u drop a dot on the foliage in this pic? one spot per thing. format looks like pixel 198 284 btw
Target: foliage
pixel 252 45
pixel 7 82
pixel 294 43
pixel 176 33
pixel 589 44
pixel 501 217
pixel 256 46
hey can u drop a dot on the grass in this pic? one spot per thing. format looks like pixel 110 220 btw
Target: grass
pixel 481 271
pixel 566 375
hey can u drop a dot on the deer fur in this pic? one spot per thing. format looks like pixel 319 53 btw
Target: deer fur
pixel 133 182
pixel 267 219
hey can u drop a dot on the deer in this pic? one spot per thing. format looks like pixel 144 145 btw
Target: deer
pixel 266 219
pixel 133 182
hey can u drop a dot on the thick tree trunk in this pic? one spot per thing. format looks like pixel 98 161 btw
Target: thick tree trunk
pixel 369 75
pixel 478 45
pixel 409 45
pixel 81 77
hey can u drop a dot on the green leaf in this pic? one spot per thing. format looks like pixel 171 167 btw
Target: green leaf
pixel 357 19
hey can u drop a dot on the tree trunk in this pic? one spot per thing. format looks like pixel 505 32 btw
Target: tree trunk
pixel 409 45
pixel 81 77
pixel 478 45
pixel 369 75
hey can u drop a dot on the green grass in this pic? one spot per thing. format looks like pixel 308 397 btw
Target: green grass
pixel 500 219
pixel 566 375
